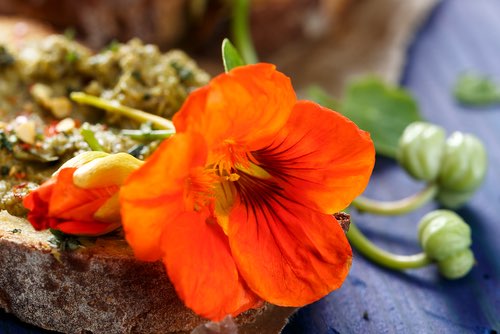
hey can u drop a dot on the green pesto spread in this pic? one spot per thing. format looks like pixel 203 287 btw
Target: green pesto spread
pixel 40 128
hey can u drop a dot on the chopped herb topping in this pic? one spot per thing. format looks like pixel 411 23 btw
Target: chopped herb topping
pixel 183 72
pixel 6 58
pixel 64 242
pixel 138 76
pixel 113 46
pixel 72 56
pixel 136 151
pixel 4 170
pixel 5 142
pixel 70 33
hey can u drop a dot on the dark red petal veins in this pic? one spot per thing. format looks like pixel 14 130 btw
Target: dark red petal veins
pixel 320 157
pixel 288 254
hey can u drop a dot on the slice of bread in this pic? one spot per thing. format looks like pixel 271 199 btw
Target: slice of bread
pixel 100 288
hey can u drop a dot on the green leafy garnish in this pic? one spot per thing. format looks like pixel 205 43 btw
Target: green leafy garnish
pixel 230 56
pixel 63 241
pixel 476 90
pixel 376 107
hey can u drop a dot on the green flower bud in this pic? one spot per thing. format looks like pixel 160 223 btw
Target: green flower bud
pixel 457 265
pixel 420 150
pixel 453 199
pixel 446 238
pixel 464 163
pixel 463 169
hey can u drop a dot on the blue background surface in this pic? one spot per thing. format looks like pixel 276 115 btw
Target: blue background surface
pixel 460 35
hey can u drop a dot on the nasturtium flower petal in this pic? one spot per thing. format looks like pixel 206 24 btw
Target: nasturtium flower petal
pixel 62 205
pixel 246 106
pixel 202 269
pixel 166 170
pixel 176 227
pixel 320 158
pixel 86 228
pixel 288 254
pixel 69 202
pixel 144 220
pixel 37 202
pixel 157 191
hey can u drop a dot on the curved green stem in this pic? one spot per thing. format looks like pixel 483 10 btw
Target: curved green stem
pixel 382 257
pixel 241 31
pixel 113 106
pixel 398 207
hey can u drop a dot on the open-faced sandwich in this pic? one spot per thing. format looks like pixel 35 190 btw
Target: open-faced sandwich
pixel 122 221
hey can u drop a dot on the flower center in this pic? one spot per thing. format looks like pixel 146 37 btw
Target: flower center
pixel 229 154
pixel 200 188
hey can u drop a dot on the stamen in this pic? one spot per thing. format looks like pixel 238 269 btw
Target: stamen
pixel 200 188
pixel 229 155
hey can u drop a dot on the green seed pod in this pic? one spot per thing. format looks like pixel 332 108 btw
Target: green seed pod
pixel 446 238
pixel 420 150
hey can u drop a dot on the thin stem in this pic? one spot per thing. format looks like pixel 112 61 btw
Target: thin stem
pixel 91 140
pixel 398 207
pixel 382 257
pixel 241 31
pixel 148 136
pixel 114 106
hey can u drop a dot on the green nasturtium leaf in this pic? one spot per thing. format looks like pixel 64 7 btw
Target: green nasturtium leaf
pixel 476 90
pixel 319 95
pixel 230 56
pixel 376 107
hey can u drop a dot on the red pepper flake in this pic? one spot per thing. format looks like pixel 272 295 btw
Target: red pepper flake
pixel 19 190
pixel 50 130
pixel 25 146
pixel 20 175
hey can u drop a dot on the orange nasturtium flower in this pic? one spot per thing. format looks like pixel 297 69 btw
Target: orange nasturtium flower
pixel 81 198
pixel 238 204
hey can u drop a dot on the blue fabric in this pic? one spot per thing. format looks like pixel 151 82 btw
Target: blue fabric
pixel 460 35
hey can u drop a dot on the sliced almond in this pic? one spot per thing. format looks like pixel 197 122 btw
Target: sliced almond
pixel 59 106
pixel 66 125
pixel 26 132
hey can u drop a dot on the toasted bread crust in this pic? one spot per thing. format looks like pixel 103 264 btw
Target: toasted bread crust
pixel 101 288
pixel 96 289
